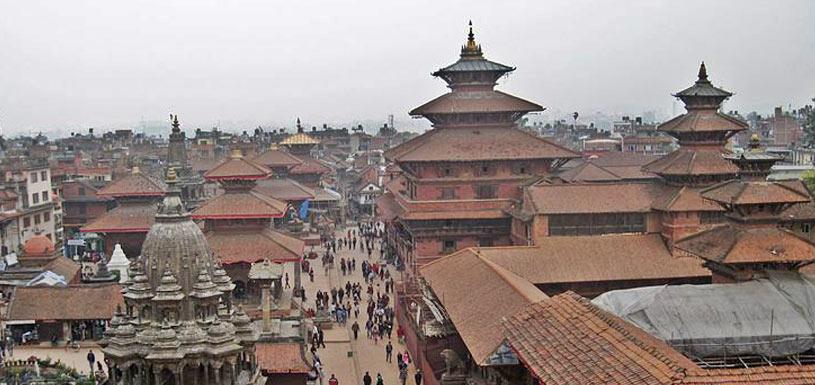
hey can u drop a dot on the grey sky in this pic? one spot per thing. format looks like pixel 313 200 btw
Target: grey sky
pixel 81 63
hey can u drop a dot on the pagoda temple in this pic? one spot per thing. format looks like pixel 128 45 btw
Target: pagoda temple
pixel 702 133
pixel 239 223
pixel 178 325
pixel 137 196
pixel 459 178
pixel 752 241
pixel 309 171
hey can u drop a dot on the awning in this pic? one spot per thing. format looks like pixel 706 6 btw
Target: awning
pixel 21 322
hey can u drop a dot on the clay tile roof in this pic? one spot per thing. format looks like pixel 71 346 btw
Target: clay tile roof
pixel 310 165
pixel 387 207
pixel 249 246
pixel 65 267
pixel 299 138
pixel 739 192
pixel 593 198
pixel 127 218
pixel 682 199
pixel 38 245
pixel 476 293
pixel 799 212
pixel 686 161
pixel 566 340
pixel 727 244
pixel 281 358
pixel 82 302
pixel 284 189
pixel 241 205
pixel 475 101
pixel 572 259
pixel 135 184
pixel 274 157
pixel 476 144
pixel 237 167
pixel 701 121
pixel 588 172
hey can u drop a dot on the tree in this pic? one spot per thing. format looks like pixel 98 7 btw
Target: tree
pixel 808 113
pixel 809 179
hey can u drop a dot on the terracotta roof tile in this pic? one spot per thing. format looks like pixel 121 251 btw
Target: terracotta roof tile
pixel 281 358
pixel 701 121
pixel 693 161
pixel 593 198
pixel 799 212
pixel 237 167
pixel 137 184
pixel 82 302
pixel 284 189
pixel 241 205
pixel 275 157
pixel 753 192
pixel 475 101
pixel 250 245
pixel 476 144
pixel 595 259
pixel 476 293
pixel 727 244
pixel 131 217
pixel 588 172
pixel 682 199
pixel 65 267
pixel 310 165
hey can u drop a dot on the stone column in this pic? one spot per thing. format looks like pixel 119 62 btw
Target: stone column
pixel 206 374
pixel 266 305
pixel 298 272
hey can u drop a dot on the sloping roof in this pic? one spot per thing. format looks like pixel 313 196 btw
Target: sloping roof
pixel 593 198
pixel 237 167
pixel 621 159
pixel 476 144
pixel 475 101
pixel 568 340
pixel 455 214
pixel 135 184
pixel 299 138
pixel 703 121
pixel 281 358
pixel 570 259
pixel 682 199
pixel 476 292
pixel 275 157
pixel 588 172
pixel 135 217
pixel 250 204
pixel 474 65
pixel 728 244
pixel 253 245
pixel 81 302
pixel 284 189
pixel 65 267
pixel 387 207
pixel 799 212
pixel 755 192
pixel 310 165
pixel 693 161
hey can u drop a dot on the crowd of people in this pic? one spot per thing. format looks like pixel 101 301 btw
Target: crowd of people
pixel 365 302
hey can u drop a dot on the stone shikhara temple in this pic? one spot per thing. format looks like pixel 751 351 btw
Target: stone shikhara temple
pixel 178 325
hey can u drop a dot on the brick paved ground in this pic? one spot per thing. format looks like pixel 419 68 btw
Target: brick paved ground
pixel 365 355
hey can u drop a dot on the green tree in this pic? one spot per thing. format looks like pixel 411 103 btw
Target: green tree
pixel 809 124
pixel 809 179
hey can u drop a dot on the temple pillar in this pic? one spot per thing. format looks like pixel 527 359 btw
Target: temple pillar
pixel 206 374
pixel 266 305
pixel 298 272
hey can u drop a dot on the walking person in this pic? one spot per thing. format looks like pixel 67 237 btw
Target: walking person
pixel 333 380
pixel 379 380
pixel 418 377
pixel 403 374
pixel 355 329
pixel 91 360
pixel 388 352
pixel 366 379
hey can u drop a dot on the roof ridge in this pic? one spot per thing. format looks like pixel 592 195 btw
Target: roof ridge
pixel 510 278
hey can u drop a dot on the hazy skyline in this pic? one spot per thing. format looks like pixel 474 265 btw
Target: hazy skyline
pixel 108 64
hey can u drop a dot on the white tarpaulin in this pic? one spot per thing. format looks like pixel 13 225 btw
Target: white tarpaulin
pixel 771 317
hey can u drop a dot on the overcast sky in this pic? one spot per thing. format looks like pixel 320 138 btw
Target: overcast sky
pixel 100 63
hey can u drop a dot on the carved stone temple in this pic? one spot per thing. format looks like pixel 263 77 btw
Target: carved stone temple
pixel 178 325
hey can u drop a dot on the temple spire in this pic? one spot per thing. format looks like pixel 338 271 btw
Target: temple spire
pixel 176 126
pixel 471 49
pixel 703 73
pixel 299 127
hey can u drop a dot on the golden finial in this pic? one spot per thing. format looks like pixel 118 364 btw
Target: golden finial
pixel 236 153
pixel 171 175
pixel 702 73
pixel 471 48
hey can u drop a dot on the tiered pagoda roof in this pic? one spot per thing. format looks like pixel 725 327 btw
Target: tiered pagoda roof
pixel 702 133
pixel 236 167
pixel 276 157
pixel 474 122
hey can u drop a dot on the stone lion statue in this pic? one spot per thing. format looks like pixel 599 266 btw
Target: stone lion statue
pixel 452 362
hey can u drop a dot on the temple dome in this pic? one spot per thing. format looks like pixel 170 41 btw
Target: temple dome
pixel 176 243
pixel 38 245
